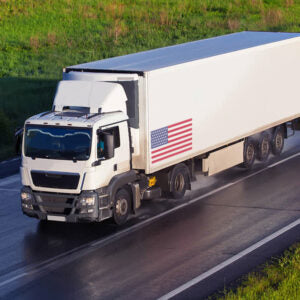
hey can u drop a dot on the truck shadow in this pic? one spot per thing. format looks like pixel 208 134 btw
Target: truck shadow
pixel 53 238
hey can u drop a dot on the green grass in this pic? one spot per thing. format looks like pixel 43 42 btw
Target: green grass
pixel 39 38
pixel 278 280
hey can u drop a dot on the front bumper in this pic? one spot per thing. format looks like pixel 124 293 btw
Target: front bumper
pixel 65 207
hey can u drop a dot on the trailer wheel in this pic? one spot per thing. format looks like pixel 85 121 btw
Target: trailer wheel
pixel 249 153
pixel 263 147
pixel 277 142
pixel 179 181
pixel 122 206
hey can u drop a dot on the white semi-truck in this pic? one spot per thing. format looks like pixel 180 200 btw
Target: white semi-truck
pixel 129 128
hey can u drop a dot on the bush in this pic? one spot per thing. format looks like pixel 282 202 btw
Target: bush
pixel 6 134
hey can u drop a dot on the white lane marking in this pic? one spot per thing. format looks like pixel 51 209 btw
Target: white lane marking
pixel 80 251
pixel 14 159
pixel 12 279
pixel 229 261
pixel 7 161
pixel 283 160
pixel 10 190
pixel 10 179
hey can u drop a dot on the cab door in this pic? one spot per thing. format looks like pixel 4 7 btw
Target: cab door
pixel 119 161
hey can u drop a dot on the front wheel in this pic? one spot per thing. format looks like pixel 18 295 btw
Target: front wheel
pixel 122 206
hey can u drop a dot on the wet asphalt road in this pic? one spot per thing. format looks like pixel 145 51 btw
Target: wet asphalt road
pixel 147 260
pixel 9 167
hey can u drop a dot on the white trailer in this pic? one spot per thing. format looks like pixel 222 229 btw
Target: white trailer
pixel 128 128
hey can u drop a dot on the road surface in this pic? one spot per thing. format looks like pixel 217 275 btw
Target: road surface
pixel 168 244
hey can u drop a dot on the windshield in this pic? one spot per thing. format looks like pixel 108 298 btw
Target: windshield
pixel 57 142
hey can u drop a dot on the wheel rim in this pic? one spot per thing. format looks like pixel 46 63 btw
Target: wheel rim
pixel 265 147
pixel 250 152
pixel 179 183
pixel 121 207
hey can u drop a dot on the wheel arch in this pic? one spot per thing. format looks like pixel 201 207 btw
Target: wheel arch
pixel 284 128
pixel 121 181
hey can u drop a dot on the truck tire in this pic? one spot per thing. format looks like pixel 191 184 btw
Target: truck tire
pixel 264 147
pixel 179 181
pixel 277 142
pixel 122 206
pixel 249 153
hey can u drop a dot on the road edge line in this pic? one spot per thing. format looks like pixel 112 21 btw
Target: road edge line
pixel 229 261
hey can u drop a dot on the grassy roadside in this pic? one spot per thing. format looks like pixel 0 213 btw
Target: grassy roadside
pixel 39 38
pixel 279 279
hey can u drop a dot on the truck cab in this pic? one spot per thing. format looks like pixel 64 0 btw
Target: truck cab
pixel 71 155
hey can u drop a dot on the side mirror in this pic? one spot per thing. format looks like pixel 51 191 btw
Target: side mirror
pixel 19 138
pixel 109 145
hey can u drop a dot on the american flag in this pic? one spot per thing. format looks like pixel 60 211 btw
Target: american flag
pixel 171 140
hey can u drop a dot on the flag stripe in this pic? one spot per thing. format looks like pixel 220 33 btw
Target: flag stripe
pixel 178 128
pixel 179 123
pixel 173 154
pixel 167 147
pixel 181 132
pixel 181 137
pixel 172 150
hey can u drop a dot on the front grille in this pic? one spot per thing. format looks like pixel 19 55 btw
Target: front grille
pixel 55 203
pixel 55 180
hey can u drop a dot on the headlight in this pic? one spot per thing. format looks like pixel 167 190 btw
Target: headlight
pixel 26 196
pixel 88 200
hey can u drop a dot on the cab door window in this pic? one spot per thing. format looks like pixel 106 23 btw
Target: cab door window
pixel 101 140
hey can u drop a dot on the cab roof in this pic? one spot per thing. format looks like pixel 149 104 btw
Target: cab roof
pixel 71 118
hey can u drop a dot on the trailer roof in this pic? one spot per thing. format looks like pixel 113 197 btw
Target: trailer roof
pixel 173 55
